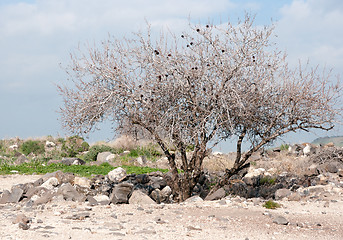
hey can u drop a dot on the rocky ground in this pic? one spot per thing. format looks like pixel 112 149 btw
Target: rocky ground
pixel 318 216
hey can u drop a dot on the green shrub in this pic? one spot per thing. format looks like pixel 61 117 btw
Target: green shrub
pixel 267 180
pixel 270 204
pixel 32 147
pixel 284 147
pixel 73 146
pixel 149 151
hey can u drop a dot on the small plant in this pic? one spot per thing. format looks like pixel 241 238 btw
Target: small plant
pixel 284 147
pixel 34 147
pixel 267 180
pixel 73 146
pixel 270 204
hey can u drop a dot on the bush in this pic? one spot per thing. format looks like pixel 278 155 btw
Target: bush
pixel 267 180
pixel 270 204
pixel 34 147
pixel 95 150
pixel 149 151
pixel 73 146
pixel 284 147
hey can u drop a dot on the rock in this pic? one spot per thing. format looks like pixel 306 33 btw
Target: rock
pixel 65 177
pixel 21 159
pixel 72 161
pixel 38 182
pixel 120 193
pixel 110 157
pixel 116 175
pixel 313 170
pixel 70 194
pixel 332 167
pixel 165 194
pixel 157 182
pixel 49 144
pixel 46 197
pixel 15 196
pixel 51 183
pixel 91 200
pixel 340 172
pixel 21 218
pixel 280 220
pixel 102 157
pixel 24 226
pixel 138 197
pixel 141 160
pixel 156 195
pixel 194 199
pixel 307 149
pixel 142 178
pixel 5 197
pixel 219 194
pixel 101 198
pixel 282 193
pixel 79 216
pixel 295 196
pixel 82 181
pixel 13 147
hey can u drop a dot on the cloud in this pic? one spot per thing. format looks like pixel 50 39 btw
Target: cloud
pixel 313 29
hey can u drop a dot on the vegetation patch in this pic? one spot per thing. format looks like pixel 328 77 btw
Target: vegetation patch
pixel 270 204
pixel 267 180
pixel 31 146
pixel 80 170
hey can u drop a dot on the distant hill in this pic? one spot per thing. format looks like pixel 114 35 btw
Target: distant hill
pixel 337 140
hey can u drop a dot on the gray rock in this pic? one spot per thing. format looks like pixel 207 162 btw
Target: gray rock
pixel 38 182
pixel 295 196
pixel 21 159
pixel 64 177
pixel 141 160
pixel 219 194
pixel 156 195
pixel 194 199
pixel 280 220
pixel 332 167
pixel 5 197
pixel 15 196
pixel 157 182
pixel 72 161
pixel 138 197
pixel 21 218
pixel 165 193
pixel 24 226
pixel 51 183
pixel 120 193
pixel 116 175
pixel 282 193
pixel 70 194
pixel 102 157
pixel 91 200
pixel 47 197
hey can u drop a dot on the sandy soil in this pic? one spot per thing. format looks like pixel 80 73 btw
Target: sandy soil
pixel 230 219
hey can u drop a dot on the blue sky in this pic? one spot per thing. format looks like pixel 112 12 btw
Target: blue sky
pixel 37 36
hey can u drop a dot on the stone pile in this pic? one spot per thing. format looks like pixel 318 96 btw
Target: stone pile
pixel 117 187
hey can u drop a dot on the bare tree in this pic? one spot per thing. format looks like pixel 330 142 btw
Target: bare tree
pixel 209 84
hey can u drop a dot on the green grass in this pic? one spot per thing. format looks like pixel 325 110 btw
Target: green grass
pixel 270 204
pixel 267 180
pixel 80 170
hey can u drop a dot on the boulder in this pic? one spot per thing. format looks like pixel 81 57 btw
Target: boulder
pixel 16 194
pixel 280 220
pixel 72 161
pixel 65 177
pixel 193 199
pixel 141 160
pixel 141 198
pixel 331 167
pixel 116 175
pixel 5 197
pixel 165 194
pixel 49 144
pixel 82 181
pixel 70 194
pixel 121 192
pixel 50 183
pixel 219 194
pixel 102 157
pixel 282 193
pixel 21 159
pixel 156 195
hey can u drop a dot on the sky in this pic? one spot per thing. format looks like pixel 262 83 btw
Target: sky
pixel 37 37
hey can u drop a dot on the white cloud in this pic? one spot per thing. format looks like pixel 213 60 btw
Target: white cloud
pixel 313 29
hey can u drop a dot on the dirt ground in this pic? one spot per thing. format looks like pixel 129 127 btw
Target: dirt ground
pixel 224 219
